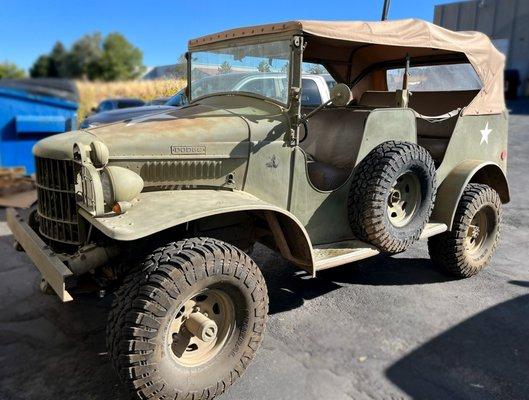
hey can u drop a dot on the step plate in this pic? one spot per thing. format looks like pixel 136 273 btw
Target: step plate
pixel 335 254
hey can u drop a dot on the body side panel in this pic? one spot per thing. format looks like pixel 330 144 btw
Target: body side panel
pixel 324 214
pixel 481 138
pixel 451 189
pixel 476 152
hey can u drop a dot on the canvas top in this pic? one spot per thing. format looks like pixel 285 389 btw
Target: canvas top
pixel 349 47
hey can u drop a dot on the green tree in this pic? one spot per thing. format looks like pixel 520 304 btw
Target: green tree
pixel 41 67
pixel 120 59
pixel 91 58
pixel 263 66
pixel 83 59
pixel 50 65
pixel 224 68
pixel 58 61
pixel 9 70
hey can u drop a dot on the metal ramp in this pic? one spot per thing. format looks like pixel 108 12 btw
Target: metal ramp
pixel 339 253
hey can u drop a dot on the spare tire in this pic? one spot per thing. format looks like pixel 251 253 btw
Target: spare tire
pixel 392 195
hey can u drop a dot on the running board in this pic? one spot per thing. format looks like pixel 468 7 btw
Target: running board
pixel 339 253
pixel 432 229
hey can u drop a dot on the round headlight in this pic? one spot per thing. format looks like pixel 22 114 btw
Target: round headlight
pixel 120 184
pixel 99 154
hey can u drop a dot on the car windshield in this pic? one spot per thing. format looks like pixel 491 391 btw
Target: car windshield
pixel 256 68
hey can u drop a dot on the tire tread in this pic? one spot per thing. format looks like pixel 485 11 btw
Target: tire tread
pixel 145 296
pixel 447 250
pixel 368 196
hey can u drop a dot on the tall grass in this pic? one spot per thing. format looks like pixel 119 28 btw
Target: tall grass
pixel 91 93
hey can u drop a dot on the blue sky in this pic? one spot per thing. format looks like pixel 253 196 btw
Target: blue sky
pixel 161 29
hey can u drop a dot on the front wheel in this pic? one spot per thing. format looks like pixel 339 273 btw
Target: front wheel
pixel 188 323
pixel 469 246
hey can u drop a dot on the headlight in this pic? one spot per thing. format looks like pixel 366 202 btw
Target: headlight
pixel 120 184
pixel 99 154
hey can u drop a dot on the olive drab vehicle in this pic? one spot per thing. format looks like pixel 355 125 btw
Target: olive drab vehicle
pixel 166 207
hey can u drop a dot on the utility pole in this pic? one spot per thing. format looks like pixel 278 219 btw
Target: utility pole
pixel 385 10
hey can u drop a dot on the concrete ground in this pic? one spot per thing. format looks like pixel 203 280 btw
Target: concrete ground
pixel 384 328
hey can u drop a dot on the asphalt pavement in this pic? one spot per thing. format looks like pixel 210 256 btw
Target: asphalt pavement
pixel 384 328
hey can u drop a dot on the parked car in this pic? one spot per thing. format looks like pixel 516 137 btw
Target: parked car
pixel 157 102
pixel 315 91
pixel 116 104
pixel 168 206
pixel 314 87
pixel 107 117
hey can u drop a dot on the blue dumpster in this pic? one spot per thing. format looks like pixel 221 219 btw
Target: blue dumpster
pixel 31 109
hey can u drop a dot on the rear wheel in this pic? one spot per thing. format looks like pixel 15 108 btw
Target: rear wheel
pixel 188 323
pixel 392 195
pixel 469 246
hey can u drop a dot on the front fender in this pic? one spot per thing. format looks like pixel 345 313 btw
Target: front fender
pixel 451 189
pixel 161 210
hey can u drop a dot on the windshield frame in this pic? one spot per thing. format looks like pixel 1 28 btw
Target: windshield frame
pixel 244 42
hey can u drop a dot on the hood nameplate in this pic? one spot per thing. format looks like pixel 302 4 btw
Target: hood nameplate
pixel 188 150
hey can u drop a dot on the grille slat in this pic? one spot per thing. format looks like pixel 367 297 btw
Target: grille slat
pixel 56 200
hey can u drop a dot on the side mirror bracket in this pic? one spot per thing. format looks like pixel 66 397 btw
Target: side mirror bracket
pixel 341 95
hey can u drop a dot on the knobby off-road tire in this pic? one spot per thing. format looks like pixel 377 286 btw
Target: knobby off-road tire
pixel 176 280
pixel 392 195
pixel 465 250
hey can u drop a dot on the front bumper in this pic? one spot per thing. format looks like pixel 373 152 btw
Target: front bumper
pixel 50 266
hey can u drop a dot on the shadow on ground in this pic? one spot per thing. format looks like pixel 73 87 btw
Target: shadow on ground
pixel 484 357
pixel 290 288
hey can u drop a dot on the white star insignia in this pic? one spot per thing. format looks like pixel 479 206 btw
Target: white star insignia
pixel 485 134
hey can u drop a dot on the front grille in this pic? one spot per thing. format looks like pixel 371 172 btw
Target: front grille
pixel 57 209
pixel 178 171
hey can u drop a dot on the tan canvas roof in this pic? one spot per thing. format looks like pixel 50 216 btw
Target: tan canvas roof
pixel 336 40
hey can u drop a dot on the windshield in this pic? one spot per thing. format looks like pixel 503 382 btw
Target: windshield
pixel 256 68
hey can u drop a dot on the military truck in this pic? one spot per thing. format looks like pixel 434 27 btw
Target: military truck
pixel 167 207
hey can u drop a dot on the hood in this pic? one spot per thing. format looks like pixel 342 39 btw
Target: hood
pixel 60 147
pixel 192 130
pixel 107 117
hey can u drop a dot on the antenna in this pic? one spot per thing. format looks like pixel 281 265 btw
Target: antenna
pixel 385 10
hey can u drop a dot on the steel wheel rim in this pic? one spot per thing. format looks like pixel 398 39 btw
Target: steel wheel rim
pixel 479 232
pixel 188 349
pixel 404 199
